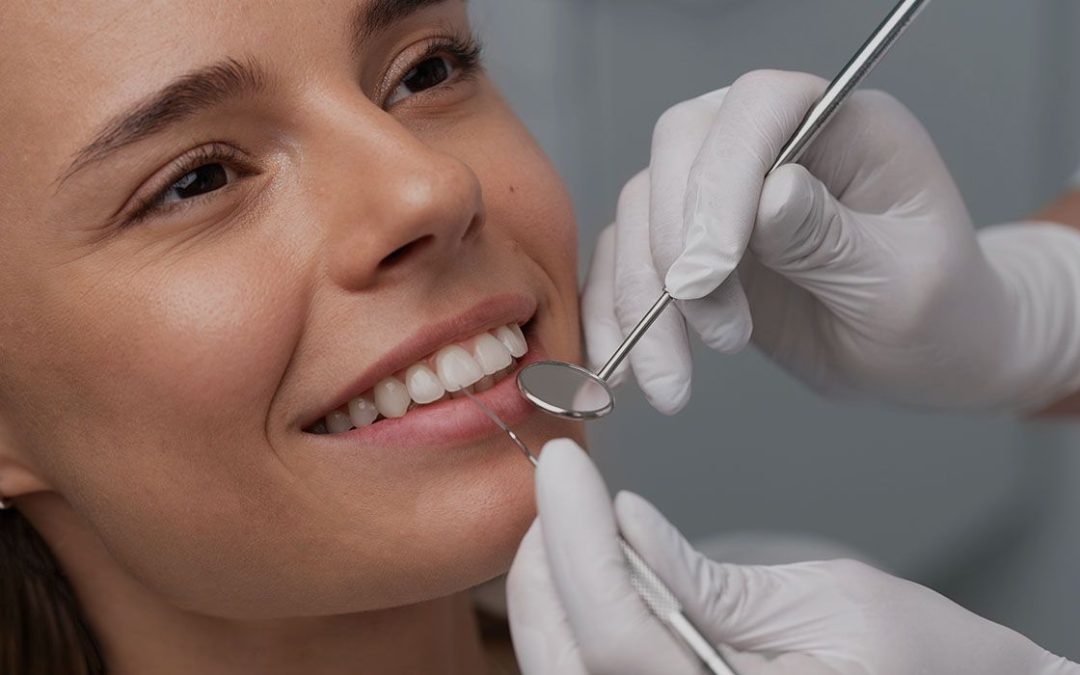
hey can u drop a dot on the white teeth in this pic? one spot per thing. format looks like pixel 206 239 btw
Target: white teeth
pixel 454 369
pixel 424 385
pixel 513 339
pixel 362 412
pixel 457 368
pixel 338 422
pixel 491 354
pixel 392 398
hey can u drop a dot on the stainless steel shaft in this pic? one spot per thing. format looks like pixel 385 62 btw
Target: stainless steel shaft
pixel 852 75
pixel 666 607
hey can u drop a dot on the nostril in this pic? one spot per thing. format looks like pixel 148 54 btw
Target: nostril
pixel 399 255
pixel 474 227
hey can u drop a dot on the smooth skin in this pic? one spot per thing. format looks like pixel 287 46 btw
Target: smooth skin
pixel 155 365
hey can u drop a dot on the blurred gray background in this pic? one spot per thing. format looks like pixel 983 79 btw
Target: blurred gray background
pixel 984 510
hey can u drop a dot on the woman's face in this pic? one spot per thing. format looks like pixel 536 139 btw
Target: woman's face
pixel 222 222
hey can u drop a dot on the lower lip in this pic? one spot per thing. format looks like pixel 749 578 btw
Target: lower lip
pixel 452 422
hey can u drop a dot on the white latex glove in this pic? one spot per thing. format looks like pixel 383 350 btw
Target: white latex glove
pixel 865 274
pixel 573 612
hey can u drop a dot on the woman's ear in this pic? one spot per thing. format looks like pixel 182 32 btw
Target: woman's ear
pixel 17 478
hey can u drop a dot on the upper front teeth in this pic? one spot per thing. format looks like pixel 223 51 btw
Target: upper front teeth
pixel 455 367
pixel 424 385
pixel 513 339
pixel 491 354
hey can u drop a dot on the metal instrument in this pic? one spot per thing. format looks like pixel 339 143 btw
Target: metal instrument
pixel 574 392
pixel 653 592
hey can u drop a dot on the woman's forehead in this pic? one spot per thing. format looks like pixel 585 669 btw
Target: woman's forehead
pixel 79 63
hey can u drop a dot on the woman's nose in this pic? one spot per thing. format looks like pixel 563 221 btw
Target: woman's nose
pixel 411 209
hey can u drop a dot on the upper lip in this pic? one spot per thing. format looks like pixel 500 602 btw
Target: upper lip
pixel 484 315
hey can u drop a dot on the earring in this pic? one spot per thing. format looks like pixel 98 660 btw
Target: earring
pixel 6 503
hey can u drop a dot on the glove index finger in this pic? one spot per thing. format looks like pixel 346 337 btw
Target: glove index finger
pixel 542 637
pixel 614 629
pixel 760 112
pixel 677 140
pixel 580 535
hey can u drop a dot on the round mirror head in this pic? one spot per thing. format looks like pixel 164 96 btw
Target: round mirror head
pixel 565 390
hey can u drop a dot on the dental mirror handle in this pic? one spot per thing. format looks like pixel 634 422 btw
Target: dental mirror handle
pixel 632 339
pixel 850 77
pixel 666 607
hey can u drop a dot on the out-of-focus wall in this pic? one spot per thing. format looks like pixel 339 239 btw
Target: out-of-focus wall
pixel 983 509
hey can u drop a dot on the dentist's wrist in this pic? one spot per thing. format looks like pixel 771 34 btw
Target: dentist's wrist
pixel 1038 265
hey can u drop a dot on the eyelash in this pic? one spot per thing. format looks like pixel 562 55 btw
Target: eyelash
pixel 465 50
pixel 215 153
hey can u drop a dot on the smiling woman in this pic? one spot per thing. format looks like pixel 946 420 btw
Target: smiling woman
pixel 252 254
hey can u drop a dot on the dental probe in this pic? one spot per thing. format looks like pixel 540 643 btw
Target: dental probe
pixel 570 391
pixel 653 592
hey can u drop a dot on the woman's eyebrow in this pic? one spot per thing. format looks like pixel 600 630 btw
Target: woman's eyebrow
pixel 179 100
pixel 213 85
pixel 371 17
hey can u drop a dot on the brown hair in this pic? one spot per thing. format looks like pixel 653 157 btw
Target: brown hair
pixel 42 630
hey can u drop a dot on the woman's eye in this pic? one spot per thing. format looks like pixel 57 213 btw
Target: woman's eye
pixel 202 180
pixel 427 74
pixel 210 169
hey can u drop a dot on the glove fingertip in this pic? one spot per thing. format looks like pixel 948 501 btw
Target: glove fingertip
pixel 569 488
pixel 793 216
pixel 787 194
pixel 723 321
pixel 668 397
pixel 558 456
pixel 631 505
pixel 688 279
pixel 632 511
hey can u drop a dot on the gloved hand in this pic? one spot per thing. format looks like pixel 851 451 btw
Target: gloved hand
pixel 573 612
pixel 864 273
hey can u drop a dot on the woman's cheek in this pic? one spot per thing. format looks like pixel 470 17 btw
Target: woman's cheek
pixel 194 344
pixel 176 438
pixel 525 196
pixel 231 336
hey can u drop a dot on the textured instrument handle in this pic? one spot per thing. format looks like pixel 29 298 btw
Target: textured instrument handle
pixel 663 603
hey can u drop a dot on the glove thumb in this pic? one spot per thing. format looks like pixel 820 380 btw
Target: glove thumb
pixel 750 608
pixel 801 228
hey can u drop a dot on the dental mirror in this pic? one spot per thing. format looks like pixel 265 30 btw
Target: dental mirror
pixel 566 390
pixel 577 393
pixel 570 391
